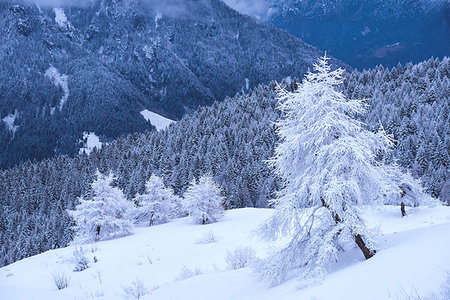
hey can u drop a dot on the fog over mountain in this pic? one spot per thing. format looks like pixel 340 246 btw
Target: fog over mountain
pixel 362 33
pixel 256 8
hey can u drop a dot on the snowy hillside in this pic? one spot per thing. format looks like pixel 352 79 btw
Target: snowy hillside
pixel 157 120
pixel 180 260
pixel 90 141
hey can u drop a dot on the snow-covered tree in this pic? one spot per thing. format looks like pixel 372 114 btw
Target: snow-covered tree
pixel 105 215
pixel 203 201
pixel 410 191
pixel 157 205
pixel 327 161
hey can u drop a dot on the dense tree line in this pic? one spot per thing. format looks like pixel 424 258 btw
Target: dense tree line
pixel 231 141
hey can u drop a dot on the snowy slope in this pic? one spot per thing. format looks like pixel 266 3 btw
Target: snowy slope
pixel 413 260
pixel 158 121
pixel 90 141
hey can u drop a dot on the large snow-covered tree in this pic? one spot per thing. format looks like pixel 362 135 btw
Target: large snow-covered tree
pixel 203 201
pixel 157 205
pixel 328 163
pixel 104 215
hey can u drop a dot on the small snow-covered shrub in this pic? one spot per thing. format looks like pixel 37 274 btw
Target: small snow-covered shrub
pixel 208 238
pixel 95 294
pixel 61 280
pixel 187 273
pixel 240 257
pixel 81 261
pixel 136 290
pixel 442 294
pixel 203 201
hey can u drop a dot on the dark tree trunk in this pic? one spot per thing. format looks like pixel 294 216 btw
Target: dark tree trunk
pixel 98 229
pixel 402 208
pixel 402 205
pixel 368 253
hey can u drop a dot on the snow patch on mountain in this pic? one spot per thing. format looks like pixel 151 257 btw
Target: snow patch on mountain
pixel 60 80
pixel 61 19
pixel 90 141
pixel 157 120
pixel 9 121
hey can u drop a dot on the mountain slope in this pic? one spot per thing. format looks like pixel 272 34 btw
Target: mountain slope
pixel 176 261
pixel 232 141
pixel 366 33
pixel 93 68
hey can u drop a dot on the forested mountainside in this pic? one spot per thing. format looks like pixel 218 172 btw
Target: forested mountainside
pixel 230 140
pixel 365 33
pixel 94 66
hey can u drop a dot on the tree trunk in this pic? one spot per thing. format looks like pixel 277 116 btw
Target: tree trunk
pixel 402 205
pixel 402 208
pixel 368 253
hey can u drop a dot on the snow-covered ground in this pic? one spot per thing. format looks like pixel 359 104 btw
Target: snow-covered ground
pixel 9 121
pixel 172 262
pixel 90 141
pixel 158 121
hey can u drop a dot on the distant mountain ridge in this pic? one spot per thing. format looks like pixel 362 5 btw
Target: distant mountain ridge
pixel 93 68
pixel 365 33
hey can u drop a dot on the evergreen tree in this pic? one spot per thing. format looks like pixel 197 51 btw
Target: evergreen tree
pixel 104 216
pixel 157 205
pixel 203 201
pixel 327 161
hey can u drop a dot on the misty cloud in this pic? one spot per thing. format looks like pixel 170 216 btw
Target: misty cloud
pixel 171 8
pixel 256 8
pixel 54 3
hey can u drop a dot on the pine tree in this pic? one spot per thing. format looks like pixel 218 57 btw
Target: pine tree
pixel 327 161
pixel 104 216
pixel 203 201
pixel 157 205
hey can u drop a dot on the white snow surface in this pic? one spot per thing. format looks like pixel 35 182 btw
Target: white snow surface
pixel 413 258
pixel 61 18
pixel 157 120
pixel 9 121
pixel 92 141
pixel 60 80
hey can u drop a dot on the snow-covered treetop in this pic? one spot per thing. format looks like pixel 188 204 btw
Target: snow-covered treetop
pixel 325 153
